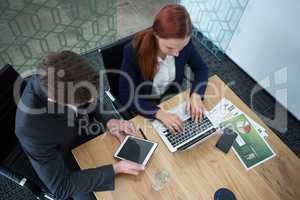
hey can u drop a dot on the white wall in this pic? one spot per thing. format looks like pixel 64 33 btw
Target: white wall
pixel 267 46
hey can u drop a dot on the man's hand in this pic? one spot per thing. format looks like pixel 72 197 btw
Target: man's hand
pixel 170 120
pixel 128 167
pixel 120 128
pixel 195 107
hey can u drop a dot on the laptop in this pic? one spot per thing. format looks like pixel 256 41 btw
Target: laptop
pixel 193 134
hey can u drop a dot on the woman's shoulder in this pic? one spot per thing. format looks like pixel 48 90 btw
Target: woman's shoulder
pixel 129 56
pixel 129 52
pixel 128 48
pixel 185 52
pixel 189 45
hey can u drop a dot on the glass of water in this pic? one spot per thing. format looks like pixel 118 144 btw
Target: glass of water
pixel 161 178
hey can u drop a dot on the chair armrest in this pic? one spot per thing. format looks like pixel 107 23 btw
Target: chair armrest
pixel 125 114
pixel 24 182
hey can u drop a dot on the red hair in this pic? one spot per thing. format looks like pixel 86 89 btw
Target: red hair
pixel 172 21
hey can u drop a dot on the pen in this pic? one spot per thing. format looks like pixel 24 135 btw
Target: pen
pixel 144 136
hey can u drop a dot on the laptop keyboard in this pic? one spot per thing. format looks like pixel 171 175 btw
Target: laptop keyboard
pixel 191 129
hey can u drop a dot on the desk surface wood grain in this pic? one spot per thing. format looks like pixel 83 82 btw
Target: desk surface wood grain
pixel 197 173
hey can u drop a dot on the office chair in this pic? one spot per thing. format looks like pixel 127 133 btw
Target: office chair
pixel 10 148
pixel 112 55
pixel 110 58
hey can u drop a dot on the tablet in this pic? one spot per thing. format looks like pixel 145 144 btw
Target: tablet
pixel 136 150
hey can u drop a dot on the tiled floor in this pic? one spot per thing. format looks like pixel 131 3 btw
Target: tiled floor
pixel 30 28
pixel 135 15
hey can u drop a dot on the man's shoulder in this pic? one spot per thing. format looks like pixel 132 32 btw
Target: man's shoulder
pixel 32 113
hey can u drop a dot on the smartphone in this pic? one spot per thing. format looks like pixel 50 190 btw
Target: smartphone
pixel 226 140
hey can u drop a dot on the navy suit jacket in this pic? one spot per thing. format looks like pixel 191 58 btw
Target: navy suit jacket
pixel 47 140
pixel 127 94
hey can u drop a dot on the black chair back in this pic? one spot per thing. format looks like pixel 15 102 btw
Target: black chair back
pixel 8 107
pixel 112 57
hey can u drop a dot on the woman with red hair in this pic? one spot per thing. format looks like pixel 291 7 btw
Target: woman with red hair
pixel 155 61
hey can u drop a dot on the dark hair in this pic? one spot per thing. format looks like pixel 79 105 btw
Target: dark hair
pixel 172 21
pixel 61 70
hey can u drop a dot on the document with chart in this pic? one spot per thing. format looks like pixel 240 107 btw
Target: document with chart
pixel 225 110
pixel 250 147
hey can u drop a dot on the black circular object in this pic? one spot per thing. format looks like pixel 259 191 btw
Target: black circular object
pixel 224 194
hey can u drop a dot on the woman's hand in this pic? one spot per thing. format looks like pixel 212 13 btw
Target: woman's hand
pixel 170 120
pixel 119 128
pixel 195 107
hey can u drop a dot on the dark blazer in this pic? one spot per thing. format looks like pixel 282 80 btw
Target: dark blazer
pixel 47 140
pixel 188 55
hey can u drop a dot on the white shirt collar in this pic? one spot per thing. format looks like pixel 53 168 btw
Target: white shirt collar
pixel 159 59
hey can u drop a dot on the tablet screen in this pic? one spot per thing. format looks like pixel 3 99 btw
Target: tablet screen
pixel 136 150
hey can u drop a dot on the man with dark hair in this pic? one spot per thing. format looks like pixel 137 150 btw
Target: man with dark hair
pixel 47 126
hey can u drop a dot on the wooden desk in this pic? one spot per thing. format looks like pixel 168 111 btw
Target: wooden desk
pixel 199 172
